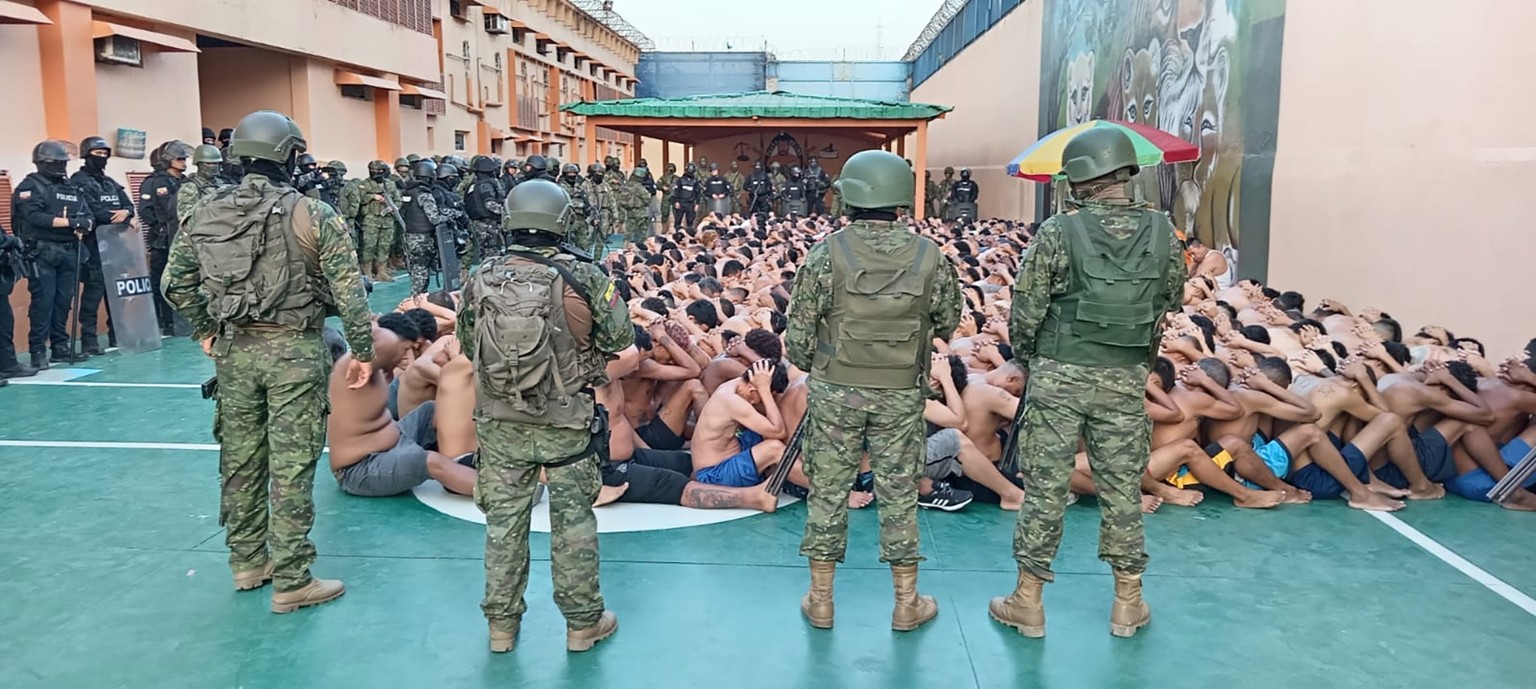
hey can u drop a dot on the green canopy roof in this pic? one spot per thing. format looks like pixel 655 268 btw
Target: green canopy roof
pixel 774 104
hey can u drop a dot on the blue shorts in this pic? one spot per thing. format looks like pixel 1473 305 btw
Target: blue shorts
pixel 1514 451
pixel 1321 484
pixel 1473 485
pixel 737 472
pixel 1434 455
pixel 1275 455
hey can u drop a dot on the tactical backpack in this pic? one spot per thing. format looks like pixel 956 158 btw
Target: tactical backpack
pixel 879 331
pixel 1106 318
pixel 529 365
pixel 258 257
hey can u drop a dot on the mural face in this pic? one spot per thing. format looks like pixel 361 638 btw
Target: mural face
pixel 1206 71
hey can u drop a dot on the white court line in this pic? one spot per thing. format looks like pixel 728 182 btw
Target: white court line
pixel 78 384
pixel 1477 574
pixel 198 447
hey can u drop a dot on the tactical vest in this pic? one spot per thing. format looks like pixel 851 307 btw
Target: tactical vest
pixel 529 367
pixel 480 192
pixel 259 259
pixel 416 220
pixel 686 191
pixel 879 331
pixel 1107 316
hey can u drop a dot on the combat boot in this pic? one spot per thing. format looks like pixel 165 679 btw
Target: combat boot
pixel 1130 612
pixel 385 274
pixel 91 345
pixel 1022 609
pixel 253 578
pixel 912 610
pixel 578 640
pixel 318 591
pixel 503 640
pixel 18 370
pixel 817 603
pixel 39 362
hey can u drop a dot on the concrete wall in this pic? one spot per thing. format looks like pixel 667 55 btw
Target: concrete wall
pixel 238 81
pixel 1422 206
pixel 993 120
pixel 172 113
pixel 338 127
pixel 22 119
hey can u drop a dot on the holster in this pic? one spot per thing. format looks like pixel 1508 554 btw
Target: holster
pixel 599 429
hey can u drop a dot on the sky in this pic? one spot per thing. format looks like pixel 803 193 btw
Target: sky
pixel 793 29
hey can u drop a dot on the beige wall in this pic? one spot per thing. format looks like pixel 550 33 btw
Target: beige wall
pixel 338 128
pixel 238 81
pixel 303 27
pixel 21 119
pixel 1404 172
pixel 996 116
pixel 413 131
pixel 172 113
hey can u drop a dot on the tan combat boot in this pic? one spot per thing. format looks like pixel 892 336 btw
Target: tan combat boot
pixel 578 640
pixel 318 591
pixel 817 603
pixel 1130 612
pixel 912 610
pixel 385 273
pixel 1022 609
pixel 502 641
pixel 253 578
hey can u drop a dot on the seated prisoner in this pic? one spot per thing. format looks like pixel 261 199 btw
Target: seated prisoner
pixel 741 433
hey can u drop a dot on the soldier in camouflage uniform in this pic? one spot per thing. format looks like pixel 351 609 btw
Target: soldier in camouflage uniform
pixel 664 184
pixel 579 229
pixel 425 208
pixel 738 184
pixel 349 203
pixel 482 201
pixel 867 345
pixel 934 195
pixel 604 206
pixel 636 202
pixel 537 412
pixel 945 185
pixel 377 221
pixel 209 163
pixel 776 176
pixel 1086 338
pixel 276 264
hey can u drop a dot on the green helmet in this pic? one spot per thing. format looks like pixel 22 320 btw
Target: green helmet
pixel 402 162
pixel 876 179
pixel 553 163
pixel 337 166
pixel 538 204
pixel 205 154
pixel 266 135
pixel 412 159
pixel 378 167
pixel 1098 152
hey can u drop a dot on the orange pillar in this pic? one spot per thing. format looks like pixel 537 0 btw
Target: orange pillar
pixel 920 166
pixel 589 152
pixel 386 122
pixel 65 48
pixel 666 154
pixel 901 146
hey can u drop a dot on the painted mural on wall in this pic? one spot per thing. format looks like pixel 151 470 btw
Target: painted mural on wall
pixel 1207 71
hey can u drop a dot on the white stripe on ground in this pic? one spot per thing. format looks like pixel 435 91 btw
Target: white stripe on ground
pixel 1477 574
pixel 94 445
pixel 76 384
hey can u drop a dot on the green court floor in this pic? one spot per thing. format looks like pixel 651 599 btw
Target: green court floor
pixel 112 574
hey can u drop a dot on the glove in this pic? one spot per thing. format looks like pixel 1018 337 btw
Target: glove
pixel 10 242
pixel 80 223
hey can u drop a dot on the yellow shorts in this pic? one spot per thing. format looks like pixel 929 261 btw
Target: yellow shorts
pixel 1183 479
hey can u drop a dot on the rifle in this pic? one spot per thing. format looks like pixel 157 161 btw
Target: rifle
pixel 1009 463
pixel 786 461
pixel 1517 477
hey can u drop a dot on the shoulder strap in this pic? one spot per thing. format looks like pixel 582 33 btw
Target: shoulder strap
pixel 570 280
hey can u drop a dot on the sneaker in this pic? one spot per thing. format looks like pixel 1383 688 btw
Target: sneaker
pixel 469 460
pixel 945 498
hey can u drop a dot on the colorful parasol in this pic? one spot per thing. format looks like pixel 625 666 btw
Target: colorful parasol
pixel 1042 161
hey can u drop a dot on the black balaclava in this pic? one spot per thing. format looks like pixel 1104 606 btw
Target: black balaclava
pixel 277 172
pixel 96 164
pixel 53 169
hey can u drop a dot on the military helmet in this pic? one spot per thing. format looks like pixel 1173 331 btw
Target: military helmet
pixel 965 174
pixel 337 166
pixel 671 168
pixel 538 204
pixel 1098 152
pixel 949 170
pixel 206 154
pixel 774 166
pixel 424 169
pixel 377 166
pixel 572 169
pixel 714 167
pixel 94 143
pixel 483 164
pixel 50 151
pixel 734 166
pixel 514 164
pixel 306 161
pixel 402 162
pixel 536 163
pixel 552 163
pixel 264 135
pixel 447 170
pixel 177 150
pixel 595 169
pixel 690 169
pixel 642 163
pixel 875 180
pixel 794 171
pixel 413 159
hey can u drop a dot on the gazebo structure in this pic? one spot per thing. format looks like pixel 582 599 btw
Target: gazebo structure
pixel 767 127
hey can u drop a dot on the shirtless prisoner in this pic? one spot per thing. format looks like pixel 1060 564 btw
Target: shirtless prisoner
pixel 741 433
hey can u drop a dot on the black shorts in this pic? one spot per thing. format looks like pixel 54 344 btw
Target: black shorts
pixel 655 477
pixel 659 436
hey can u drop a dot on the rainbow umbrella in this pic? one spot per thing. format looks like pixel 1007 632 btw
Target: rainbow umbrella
pixel 1042 161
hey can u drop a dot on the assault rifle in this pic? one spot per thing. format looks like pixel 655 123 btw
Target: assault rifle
pixel 787 461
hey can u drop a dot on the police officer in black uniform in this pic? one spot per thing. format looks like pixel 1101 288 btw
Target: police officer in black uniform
pixel 717 188
pixel 308 179
pixel 157 211
pixel 482 202
pixel 759 190
pixel 110 205
pixel 13 267
pixel 51 216
pixel 795 194
pixel 685 198
pixel 816 185
pixel 963 195
pixel 536 167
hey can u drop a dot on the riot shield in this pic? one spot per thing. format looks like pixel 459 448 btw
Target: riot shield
pixel 448 256
pixel 130 298
pixel 965 210
pixel 721 206
pixel 795 207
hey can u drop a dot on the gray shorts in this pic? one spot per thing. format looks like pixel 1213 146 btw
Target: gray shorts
pixel 398 469
pixel 943 455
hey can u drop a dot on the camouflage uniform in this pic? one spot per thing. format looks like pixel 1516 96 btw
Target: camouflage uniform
pixel 196 186
pixel 511 456
pixel 421 247
pixel 637 210
pixel 843 420
pixel 934 198
pixel 349 203
pixel 579 229
pixel 378 224
pixel 271 410
pixel 738 184
pixel 1065 401
pixel 665 184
